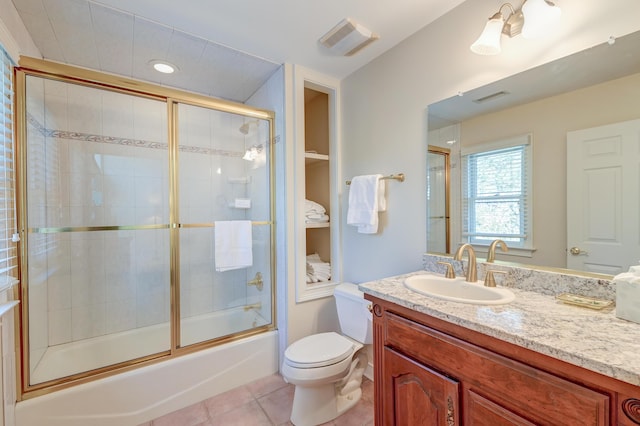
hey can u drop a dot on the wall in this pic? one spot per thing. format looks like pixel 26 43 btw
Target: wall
pixel 384 118
pixel 272 96
pixel 549 120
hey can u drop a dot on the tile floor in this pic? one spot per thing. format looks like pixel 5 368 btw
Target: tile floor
pixel 264 402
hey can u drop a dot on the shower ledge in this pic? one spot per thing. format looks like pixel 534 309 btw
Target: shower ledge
pixel 7 307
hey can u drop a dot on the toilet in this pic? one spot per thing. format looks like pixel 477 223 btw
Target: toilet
pixel 327 368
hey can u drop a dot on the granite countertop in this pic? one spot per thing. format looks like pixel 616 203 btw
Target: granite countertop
pixel 593 339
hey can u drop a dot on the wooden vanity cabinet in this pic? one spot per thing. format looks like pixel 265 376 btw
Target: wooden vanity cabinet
pixel 431 372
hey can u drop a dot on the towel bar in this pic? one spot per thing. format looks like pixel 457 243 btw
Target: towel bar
pixel 398 177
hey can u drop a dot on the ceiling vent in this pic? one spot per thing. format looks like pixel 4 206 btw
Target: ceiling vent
pixel 347 38
pixel 491 97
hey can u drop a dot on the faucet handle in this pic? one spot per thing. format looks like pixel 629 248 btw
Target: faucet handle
pixel 490 280
pixel 450 273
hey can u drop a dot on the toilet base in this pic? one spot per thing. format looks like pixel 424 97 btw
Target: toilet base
pixel 320 404
pixel 314 405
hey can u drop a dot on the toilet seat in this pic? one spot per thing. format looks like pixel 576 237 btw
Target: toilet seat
pixel 318 350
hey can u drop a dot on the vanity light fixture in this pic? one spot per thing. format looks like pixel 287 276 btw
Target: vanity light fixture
pixel 163 66
pixel 531 20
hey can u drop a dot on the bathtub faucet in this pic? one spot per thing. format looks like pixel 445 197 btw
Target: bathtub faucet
pixel 257 281
pixel 255 306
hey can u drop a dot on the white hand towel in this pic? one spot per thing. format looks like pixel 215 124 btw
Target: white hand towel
pixel 366 197
pixel 233 245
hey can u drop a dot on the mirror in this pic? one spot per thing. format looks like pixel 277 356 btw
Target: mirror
pixel 592 88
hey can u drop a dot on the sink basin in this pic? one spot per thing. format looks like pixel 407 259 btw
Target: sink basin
pixel 458 290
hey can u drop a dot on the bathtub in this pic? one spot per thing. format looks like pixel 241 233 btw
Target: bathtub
pixel 142 394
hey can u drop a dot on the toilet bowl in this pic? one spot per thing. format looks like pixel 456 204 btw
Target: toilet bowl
pixel 327 368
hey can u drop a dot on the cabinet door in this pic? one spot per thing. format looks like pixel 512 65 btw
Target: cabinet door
pixel 416 395
pixel 480 411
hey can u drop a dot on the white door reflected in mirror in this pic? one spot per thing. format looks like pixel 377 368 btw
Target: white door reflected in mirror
pixel 603 183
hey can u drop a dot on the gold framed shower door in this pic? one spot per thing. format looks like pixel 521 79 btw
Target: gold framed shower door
pixel 172 98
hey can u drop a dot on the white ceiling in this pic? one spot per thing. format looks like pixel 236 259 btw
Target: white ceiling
pixel 226 49
pixel 598 64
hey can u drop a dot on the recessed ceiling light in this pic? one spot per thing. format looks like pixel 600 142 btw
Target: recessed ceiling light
pixel 163 66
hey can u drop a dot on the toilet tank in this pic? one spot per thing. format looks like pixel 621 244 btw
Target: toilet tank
pixel 353 313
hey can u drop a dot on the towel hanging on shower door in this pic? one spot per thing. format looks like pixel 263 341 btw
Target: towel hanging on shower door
pixel 233 245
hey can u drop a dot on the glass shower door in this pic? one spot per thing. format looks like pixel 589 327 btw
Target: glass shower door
pixel 438 200
pixel 225 223
pixel 97 201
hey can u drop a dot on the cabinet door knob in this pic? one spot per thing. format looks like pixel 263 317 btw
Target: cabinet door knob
pixel 450 412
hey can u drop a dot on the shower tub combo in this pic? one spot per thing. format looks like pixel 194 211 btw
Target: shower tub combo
pixel 125 191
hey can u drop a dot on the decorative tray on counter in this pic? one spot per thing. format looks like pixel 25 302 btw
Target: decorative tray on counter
pixel 584 301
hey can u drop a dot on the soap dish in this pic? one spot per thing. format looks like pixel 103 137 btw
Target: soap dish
pixel 584 301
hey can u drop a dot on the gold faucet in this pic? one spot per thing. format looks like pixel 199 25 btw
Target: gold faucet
pixel 491 254
pixel 255 306
pixel 472 273
pixel 257 281
pixel 450 272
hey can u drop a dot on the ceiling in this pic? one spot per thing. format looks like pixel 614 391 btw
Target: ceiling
pixel 598 64
pixel 226 49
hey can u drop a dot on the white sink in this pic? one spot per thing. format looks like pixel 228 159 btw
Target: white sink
pixel 458 290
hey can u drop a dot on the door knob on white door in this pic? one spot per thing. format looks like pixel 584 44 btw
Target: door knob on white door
pixel 576 251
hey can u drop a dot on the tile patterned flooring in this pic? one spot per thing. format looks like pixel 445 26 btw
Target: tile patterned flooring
pixel 264 402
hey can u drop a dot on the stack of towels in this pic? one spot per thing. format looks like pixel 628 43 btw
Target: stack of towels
pixel 317 270
pixel 314 212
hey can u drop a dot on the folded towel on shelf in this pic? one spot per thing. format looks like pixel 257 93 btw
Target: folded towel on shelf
pixel 317 270
pixel 233 245
pixel 314 212
pixel 366 200
pixel 316 218
pixel 313 207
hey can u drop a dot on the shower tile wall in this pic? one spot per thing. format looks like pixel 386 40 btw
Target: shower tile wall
pixel 85 284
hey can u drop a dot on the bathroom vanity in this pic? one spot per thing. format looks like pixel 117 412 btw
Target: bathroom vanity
pixel 533 361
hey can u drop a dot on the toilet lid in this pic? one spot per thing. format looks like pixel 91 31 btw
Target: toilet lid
pixel 318 350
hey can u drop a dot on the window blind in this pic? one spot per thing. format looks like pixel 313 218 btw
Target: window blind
pixel 8 250
pixel 496 196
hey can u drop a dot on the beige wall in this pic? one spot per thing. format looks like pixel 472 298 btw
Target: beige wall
pixel 384 120
pixel 549 120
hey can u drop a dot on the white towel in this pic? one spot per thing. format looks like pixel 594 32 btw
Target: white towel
pixel 313 207
pixel 366 199
pixel 233 245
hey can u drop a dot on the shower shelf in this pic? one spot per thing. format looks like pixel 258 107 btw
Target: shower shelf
pixel 7 306
pixel 243 180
